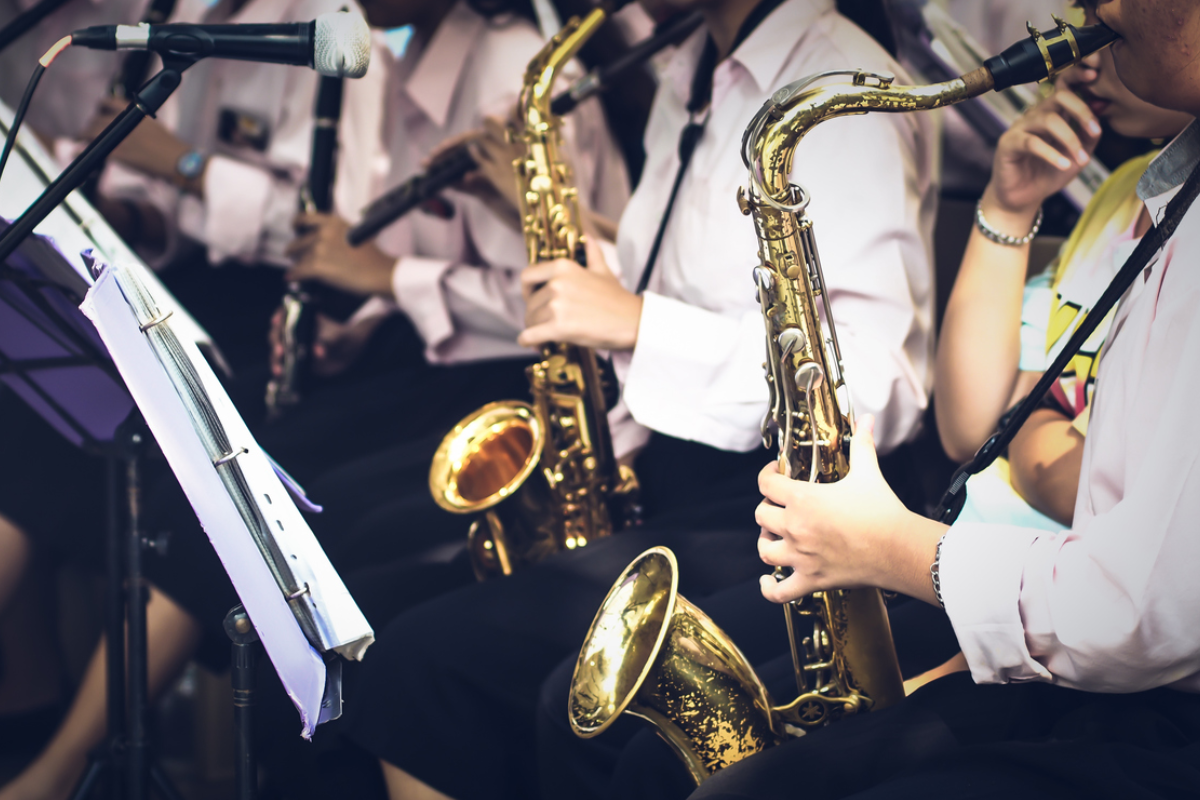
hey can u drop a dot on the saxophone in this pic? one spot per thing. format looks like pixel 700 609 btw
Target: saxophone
pixel 652 653
pixel 543 475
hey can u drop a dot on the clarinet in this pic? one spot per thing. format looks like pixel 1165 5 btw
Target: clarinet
pixel 451 167
pixel 298 307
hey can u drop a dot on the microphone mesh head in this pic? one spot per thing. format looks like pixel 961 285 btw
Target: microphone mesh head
pixel 341 45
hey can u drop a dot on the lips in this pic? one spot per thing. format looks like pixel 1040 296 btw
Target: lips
pixel 1097 104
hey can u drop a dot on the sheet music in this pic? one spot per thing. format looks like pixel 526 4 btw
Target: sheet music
pixel 263 541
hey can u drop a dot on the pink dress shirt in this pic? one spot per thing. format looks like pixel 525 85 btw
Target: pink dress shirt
pixel 1112 604
pixel 252 195
pixel 458 280
pixel 69 91
pixel 696 371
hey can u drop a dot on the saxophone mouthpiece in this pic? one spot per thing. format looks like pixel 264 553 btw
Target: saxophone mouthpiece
pixel 1045 54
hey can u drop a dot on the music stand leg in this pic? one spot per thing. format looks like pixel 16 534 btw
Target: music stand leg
pixel 241 633
pixel 113 651
pixel 135 607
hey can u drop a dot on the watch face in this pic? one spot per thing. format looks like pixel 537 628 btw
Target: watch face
pixel 190 164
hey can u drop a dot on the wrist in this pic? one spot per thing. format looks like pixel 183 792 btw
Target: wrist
pixel 918 539
pixel 1012 220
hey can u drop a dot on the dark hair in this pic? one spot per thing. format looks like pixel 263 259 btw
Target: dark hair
pixel 872 16
pixel 490 8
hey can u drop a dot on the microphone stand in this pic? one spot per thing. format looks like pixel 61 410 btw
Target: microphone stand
pixel 145 103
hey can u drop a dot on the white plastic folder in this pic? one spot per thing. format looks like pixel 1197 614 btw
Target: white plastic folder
pixel 293 595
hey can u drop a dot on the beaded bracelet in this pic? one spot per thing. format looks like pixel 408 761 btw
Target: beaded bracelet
pixel 935 572
pixel 1003 238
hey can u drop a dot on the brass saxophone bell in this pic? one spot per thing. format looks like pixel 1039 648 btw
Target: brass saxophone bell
pixel 653 654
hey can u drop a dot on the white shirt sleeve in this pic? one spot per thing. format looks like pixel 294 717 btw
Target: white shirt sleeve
pixel 1110 605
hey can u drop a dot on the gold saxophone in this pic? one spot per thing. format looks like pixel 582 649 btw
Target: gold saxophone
pixel 652 653
pixel 552 460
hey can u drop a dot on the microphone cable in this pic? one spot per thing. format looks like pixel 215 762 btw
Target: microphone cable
pixel 43 63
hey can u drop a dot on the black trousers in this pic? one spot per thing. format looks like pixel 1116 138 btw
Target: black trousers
pixel 630 761
pixel 462 673
pixel 955 739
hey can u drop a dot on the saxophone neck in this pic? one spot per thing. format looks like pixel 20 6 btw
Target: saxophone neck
pixel 784 120
pixel 793 111
pixel 545 68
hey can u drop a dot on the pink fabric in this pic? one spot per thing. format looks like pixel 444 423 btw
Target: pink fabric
pixel 1112 604
pixel 75 83
pixel 696 371
pixel 251 196
pixel 458 280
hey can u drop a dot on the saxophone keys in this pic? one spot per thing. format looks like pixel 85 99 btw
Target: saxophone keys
pixel 763 277
pixel 809 377
pixel 791 340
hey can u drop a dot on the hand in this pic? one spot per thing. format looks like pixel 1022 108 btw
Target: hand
pixel 494 180
pixel 587 307
pixel 1041 153
pixel 320 252
pixel 335 348
pixel 151 148
pixel 843 535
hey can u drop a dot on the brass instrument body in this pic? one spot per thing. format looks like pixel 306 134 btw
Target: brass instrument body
pixel 568 488
pixel 649 651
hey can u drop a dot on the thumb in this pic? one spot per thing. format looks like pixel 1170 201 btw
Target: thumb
pixel 862 445
pixel 595 257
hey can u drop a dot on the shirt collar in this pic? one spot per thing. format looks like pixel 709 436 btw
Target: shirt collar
pixel 763 54
pixel 1169 170
pixel 768 48
pixel 440 63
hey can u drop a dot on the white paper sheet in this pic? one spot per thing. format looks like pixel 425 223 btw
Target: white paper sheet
pixel 333 619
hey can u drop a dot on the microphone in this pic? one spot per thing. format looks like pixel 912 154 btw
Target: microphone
pixel 337 44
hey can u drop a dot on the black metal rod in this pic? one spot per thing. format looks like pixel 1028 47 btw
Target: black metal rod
pixel 245 644
pixel 149 100
pixel 115 632
pixel 135 605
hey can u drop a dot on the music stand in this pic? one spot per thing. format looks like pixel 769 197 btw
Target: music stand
pixel 52 358
pixel 302 613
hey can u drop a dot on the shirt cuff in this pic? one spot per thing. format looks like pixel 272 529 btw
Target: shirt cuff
pixel 417 285
pixel 235 205
pixel 981 571
pixel 680 382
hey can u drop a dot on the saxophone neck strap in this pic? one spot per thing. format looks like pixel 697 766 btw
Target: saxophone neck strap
pixel 699 110
pixel 1154 240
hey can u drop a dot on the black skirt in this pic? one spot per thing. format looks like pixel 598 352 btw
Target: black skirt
pixel 955 739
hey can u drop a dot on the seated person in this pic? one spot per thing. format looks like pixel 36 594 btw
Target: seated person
pixel 977 354
pixel 1082 652
pixel 687 351
pixel 491 48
